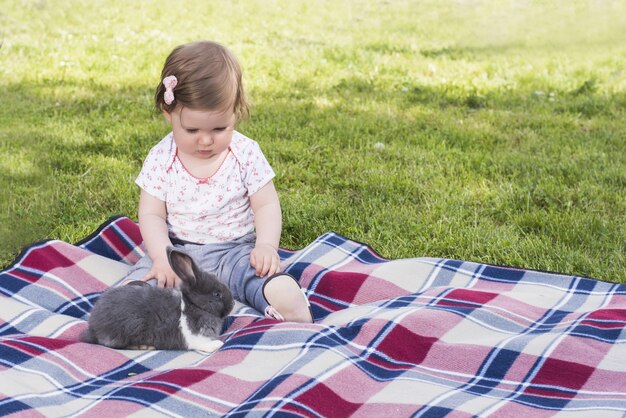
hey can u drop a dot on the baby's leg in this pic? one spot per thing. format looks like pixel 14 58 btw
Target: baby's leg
pixel 230 261
pixel 281 291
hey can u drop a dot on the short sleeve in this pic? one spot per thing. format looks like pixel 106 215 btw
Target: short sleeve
pixel 153 175
pixel 258 171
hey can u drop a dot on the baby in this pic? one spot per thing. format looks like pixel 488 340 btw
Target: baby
pixel 208 188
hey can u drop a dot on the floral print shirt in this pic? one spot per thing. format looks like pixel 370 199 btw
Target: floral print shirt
pixel 215 209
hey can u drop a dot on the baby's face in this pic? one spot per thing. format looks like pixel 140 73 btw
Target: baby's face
pixel 201 134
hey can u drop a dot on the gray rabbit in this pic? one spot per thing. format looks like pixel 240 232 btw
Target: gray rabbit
pixel 140 315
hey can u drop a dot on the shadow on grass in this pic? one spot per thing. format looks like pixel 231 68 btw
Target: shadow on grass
pixel 584 100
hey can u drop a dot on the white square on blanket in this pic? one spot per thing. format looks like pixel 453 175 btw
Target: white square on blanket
pixel 106 270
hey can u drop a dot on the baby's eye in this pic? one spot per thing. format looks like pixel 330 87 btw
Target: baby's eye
pixel 220 129
pixel 191 131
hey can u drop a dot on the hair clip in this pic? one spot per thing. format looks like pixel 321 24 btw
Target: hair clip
pixel 169 82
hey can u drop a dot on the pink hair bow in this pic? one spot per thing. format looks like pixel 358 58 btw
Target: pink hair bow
pixel 169 82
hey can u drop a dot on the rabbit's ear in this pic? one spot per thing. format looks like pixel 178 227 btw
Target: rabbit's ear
pixel 182 264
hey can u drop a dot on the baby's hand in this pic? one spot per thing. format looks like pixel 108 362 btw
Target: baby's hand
pixel 163 274
pixel 264 258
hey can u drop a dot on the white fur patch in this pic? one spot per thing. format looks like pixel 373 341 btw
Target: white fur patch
pixel 193 341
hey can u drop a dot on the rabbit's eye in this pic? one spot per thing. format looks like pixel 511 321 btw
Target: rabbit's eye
pixel 217 294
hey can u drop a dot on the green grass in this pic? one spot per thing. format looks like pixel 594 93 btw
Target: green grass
pixel 502 123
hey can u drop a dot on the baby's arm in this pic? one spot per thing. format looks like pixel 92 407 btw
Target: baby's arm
pixel 267 223
pixel 153 229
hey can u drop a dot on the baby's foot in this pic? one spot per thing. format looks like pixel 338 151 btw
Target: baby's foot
pixel 287 301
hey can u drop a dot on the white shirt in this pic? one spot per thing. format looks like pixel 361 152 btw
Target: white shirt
pixel 215 209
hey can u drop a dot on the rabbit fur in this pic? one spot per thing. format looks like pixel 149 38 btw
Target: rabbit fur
pixel 140 315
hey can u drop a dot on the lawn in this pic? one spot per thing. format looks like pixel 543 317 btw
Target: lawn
pixel 489 131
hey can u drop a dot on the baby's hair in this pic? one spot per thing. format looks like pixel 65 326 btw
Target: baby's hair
pixel 209 78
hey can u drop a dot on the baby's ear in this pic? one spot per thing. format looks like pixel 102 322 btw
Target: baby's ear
pixel 167 115
pixel 182 264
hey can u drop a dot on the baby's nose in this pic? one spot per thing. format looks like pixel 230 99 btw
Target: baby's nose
pixel 206 139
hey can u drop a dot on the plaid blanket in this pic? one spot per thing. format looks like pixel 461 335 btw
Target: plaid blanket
pixel 411 337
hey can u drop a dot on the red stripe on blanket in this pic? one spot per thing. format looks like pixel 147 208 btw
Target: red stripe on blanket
pixel 403 345
pixel 116 242
pixel 464 298
pixel 557 374
pixel 171 381
pixel 38 345
pixel 341 285
pixel 326 402
pixel 606 318
pixel 26 275
pixel 48 258
pixel 131 229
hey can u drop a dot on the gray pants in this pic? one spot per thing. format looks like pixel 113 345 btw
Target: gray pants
pixel 230 261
